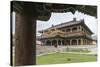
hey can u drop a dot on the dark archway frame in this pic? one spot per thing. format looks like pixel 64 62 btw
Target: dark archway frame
pixel 25 33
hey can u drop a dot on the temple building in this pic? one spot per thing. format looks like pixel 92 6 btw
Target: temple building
pixel 68 33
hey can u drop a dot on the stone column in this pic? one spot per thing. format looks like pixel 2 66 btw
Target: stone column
pixel 25 39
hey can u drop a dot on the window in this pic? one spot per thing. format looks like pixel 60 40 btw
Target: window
pixel 74 29
pixel 68 30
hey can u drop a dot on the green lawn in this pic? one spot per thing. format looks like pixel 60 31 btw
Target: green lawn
pixel 57 58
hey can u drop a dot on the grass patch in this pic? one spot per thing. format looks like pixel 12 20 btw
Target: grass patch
pixel 58 58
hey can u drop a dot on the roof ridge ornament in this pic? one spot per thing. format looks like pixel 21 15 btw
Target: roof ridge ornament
pixel 74 19
pixel 82 20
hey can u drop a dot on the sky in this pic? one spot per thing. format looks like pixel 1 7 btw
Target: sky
pixel 57 18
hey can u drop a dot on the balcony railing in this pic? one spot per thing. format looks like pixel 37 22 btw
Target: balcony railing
pixel 70 34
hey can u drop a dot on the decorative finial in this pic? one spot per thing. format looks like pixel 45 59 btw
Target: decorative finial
pixel 52 25
pixel 82 20
pixel 74 19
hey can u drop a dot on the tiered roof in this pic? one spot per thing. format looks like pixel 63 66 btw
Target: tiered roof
pixel 70 23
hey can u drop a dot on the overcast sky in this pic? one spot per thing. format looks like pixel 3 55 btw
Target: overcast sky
pixel 57 18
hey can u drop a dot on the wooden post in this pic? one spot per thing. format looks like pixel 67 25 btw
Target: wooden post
pixel 61 43
pixel 81 41
pixel 70 42
pixel 77 42
pixel 51 42
pixel 25 40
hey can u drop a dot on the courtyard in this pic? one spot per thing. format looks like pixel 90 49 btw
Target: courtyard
pixel 66 25
pixel 88 49
pixel 66 54
pixel 58 58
